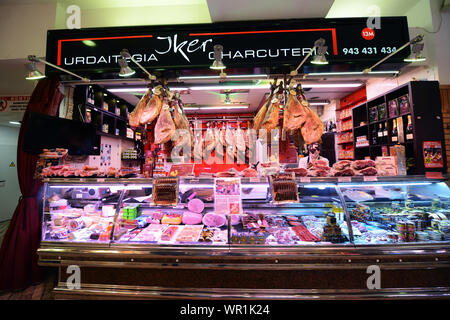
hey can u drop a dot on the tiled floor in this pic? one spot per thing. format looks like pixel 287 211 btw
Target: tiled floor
pixel 40 291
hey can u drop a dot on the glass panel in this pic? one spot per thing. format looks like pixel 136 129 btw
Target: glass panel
pixel 317 219
pixel 191 222
pixel 79 213
pixel 398 212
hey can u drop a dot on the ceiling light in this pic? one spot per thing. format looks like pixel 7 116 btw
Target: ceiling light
pixel 236 76
pixel 89 43
pixel 227 107
pixel 34 59
pixel 218 64
pixel 242 87
pixel 15 122
pixel 416 54
pixel 318 103
pixel 227 98
pixel 33 73
pixel 321 48
pixel 353 73
pixel 415 40
pixel 125 70
pixel 126 55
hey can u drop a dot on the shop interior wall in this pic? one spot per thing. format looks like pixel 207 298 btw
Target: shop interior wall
pixel 9 190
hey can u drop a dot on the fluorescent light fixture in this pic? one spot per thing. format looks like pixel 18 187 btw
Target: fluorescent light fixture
pixel 242 87
pixel 231 87
pixel 318 103
pixel 349 73
pixel 87 186
pixel 228 107
pixel 394 184
pixel 15 122
pixel 142 89
pixel 237 76
pixel 319 186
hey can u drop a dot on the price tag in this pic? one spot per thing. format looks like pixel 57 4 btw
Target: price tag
pixel 254 179
pixel 344 179
pixel 101 180
pixel 370 178
pixel 305 179
pixel 434 175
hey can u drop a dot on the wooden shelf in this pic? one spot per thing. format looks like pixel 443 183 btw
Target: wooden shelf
pixel 345 118
pixel 387 119
pixel 364 125
pixel 348 130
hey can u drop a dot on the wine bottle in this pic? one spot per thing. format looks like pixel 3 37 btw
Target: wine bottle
pixel 374 135
pixel 89 95
pixel 409 130
pixel 394 135
pixel 385 134
pixel 380 134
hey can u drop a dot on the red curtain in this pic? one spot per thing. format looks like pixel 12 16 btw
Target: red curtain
pixel 18 253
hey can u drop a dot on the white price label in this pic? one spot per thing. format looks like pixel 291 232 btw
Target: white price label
pixel 370 178
pixel 344 179
pixel 305 179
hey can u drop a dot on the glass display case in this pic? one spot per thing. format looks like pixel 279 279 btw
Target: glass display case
pixel 114 211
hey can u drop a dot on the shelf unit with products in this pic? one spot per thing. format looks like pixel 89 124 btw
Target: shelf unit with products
pixel 109 113
pixel 346 126
pixel 410 116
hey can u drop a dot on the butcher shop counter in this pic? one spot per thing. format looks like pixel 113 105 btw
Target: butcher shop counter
pixel 325 246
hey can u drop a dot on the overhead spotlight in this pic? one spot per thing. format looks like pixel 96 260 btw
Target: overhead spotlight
pixel 125 70
pixel 218 64
pixel 33 73
pixel 416 48
pixel 321 48
pixel 227 98
pixel 126 55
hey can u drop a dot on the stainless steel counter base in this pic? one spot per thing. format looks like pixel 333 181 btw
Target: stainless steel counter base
pixel 250 272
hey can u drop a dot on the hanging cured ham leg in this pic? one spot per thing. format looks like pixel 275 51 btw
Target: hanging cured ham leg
pixel 272 116
pixel 313 127
pixel 295 113
pixel 135 116
pixel 165 127
pixel 152 108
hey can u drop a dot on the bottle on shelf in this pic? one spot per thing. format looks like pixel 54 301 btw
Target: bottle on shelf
pixel 380 134
pixel 90 95
pixel 385 133
pixel 409 131
pixel 374 135
pixel 394 135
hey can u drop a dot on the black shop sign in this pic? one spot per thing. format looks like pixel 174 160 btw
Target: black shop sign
pixel 245 44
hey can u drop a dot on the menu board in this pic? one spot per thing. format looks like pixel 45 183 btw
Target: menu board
pixel 432 154
pixel 227 196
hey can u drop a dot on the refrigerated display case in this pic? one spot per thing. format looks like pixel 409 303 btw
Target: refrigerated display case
pixel 321 246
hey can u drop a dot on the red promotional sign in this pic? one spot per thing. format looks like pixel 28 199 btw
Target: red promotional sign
pixel 368 33
pixel 432 154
